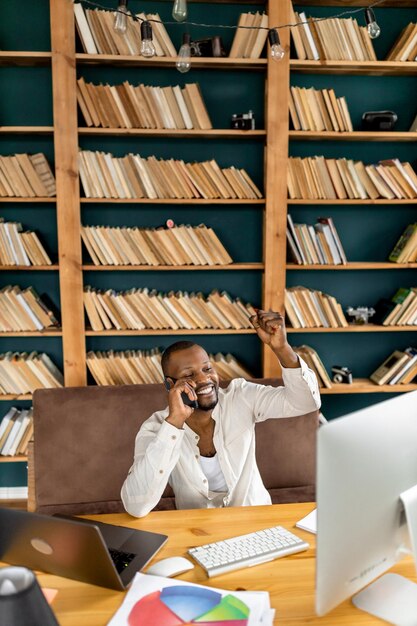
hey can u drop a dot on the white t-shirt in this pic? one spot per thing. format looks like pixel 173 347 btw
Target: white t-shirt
pixel 213 472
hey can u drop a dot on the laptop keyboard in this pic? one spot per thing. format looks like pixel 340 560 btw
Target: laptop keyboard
pixel 121 559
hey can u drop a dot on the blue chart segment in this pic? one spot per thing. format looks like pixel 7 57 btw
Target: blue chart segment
pixel 183 605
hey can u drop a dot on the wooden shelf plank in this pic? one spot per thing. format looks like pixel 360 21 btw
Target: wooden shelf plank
pixel 357 135
pixel 359 265
pixel 181 331
pixel 356 328
pixel 26 130
pixel 184 201
pixel 12 396
pixel 14 199
pixel 9 57
pixel 171 268
pixel 28 268
pixel 369 68
pixel 208 63
pixel 363 385
pixel 367 201
pixel 32 333
pixel 358 3
pixel 159 132
pixel 13 459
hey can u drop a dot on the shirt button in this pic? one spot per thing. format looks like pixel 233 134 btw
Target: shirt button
pixel 196 436
pixel 174 437
pixel 196 456
pixel 161 471
pixel 204 480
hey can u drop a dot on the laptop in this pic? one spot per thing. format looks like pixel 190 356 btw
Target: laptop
pixel 86 550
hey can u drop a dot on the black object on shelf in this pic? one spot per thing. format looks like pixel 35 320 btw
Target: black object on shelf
pixel 379 120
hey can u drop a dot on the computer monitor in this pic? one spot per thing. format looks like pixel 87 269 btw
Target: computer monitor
pixel 366 460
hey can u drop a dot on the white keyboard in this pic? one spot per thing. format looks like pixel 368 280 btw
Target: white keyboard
pixel 247 550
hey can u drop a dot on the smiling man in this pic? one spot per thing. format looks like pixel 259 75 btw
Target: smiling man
pixel 207 451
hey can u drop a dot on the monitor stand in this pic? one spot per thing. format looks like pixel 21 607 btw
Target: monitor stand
pixel 392 597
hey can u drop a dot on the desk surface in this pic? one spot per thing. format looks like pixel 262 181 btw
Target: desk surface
pixel 290 580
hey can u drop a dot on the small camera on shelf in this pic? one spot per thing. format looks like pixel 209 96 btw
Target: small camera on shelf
pixel 243 121
pixel 209 47
pixel 342 374
pixel 379 120
pixel 360 314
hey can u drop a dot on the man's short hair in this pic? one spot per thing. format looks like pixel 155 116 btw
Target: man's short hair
pixel 175 347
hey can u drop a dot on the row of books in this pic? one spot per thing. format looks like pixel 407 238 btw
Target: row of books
pixel 26 176
pixel 144 308
pixel 18 247
pixel 400 368
pixel 97 34
pixel 405 47
pixel 318 109
pixel 320 178
pixel 24 310
pixel 143 106
pixel 131 367
pixel 335 39
pixel 24 372
pixel 399 310
pixel 309 308
pixel 315 245
pixel 16 430
pixel 405 250
pixel 176 245
pixel 314 362
pixel 131 176
pixel 250 36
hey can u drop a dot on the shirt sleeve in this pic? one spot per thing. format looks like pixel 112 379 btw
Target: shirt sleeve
pixel 299 395
pixel 157 450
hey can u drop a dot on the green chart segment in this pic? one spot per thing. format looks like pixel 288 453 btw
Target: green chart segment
pixel 182 605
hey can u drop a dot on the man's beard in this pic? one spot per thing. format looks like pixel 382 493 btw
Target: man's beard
pixel 209 407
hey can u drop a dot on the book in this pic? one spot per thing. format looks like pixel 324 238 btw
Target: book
pixel 389 367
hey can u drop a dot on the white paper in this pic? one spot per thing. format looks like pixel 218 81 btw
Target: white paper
pixel 309 522
pixel 260 612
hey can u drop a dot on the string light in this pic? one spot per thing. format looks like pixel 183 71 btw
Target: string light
pixel 179 10
pixel 373 28
pixel 120 20
pixel 277 51
pixel 147 49
pixel 183 62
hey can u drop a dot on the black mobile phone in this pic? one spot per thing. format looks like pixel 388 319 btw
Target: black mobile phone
pixel 187 401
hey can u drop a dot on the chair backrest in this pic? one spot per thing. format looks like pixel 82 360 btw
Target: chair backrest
pixel 84 442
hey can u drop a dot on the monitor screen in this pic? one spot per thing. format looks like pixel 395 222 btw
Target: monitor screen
pixel 366 459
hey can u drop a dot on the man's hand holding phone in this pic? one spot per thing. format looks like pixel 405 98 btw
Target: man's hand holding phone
pixel 182 400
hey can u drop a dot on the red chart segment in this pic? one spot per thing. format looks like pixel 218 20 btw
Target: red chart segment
pixel 184 606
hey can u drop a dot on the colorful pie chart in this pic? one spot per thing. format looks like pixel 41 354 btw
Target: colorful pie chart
pixel 183 605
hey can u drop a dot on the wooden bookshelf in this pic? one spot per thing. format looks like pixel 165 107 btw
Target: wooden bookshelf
pixel 355 328
pixel 32 333
pixel 363 385
pixel 197 62
pixel 13 199
pixel 358 265
pixel 358 3
pixel 13 459
pixel 169 332
pixel 228 133
pixel 17 397
pixel 29 268
pixel 368 201
pixel 26 130
pixel 357 135
pixel 184 201
pixel 368 68
pixel 173 268
pixel 22 58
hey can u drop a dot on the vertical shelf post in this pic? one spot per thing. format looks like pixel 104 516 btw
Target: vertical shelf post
pixel 276 157
pixel 68 195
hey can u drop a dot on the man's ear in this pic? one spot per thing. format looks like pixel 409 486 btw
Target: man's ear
pixel 167 383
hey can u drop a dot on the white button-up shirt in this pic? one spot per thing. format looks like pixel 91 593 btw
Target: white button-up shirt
pixel 164 453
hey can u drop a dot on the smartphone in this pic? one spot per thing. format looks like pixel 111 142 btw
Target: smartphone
pixel 184 397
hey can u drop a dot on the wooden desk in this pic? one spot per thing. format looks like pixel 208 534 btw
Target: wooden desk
pixel 290 580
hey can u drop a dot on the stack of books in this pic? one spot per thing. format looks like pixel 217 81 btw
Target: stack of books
pixel 248 42
pixel 104 176
pixel 318 109
pixel 97 34
pixel 176 245
pixel 314 362
pixel 399 310
pixel 405 250
pixel 319 178
pixel 139 309
pixel 26 176
pixel 143 106
pixel 23 310
pixel 400 368
pixel 16 430
pixel 131 367
pixel 308 308
pixel 20 248
pixel 332 39
pixel 315 245
pixel 405 47
pixel 24 372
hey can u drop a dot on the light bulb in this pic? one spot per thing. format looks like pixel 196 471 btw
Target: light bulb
pixel 183 61
pixel 120 20
pixel 147 49
pixel 277 51
pixel 179 10
pixel 373 28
